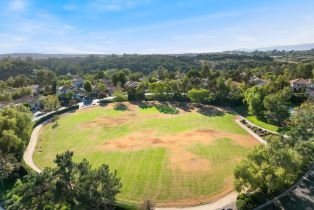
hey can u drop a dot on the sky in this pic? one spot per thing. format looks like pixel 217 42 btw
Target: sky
pixel 152 26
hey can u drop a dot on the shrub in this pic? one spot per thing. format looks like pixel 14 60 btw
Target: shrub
pixel 241 205
pixel 167 109
pixel 58 112
pixel 120 96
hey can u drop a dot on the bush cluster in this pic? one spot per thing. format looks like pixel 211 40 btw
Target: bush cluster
pixel 58 112
pixel 167 109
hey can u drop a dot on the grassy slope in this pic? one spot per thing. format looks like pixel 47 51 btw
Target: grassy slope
pixel 145 173
pixel 243 111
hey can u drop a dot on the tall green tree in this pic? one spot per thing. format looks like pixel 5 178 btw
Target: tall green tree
pixel 140 90
pixel 50 103
pixel 277 106
pixel 119 78
pixel 205 71
pixel 7 166
pixel 268 168
pixel 67 186
pixel 15 128
pixel 301 123
pixel 88 86
pixel 199 95
pixel 45 77
pixel 254 97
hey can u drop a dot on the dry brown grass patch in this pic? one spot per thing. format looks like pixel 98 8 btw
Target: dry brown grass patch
pixel 176 144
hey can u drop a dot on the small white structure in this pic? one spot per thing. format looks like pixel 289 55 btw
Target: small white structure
pixel 258 81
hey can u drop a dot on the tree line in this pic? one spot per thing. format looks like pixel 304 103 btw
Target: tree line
pixel 270 169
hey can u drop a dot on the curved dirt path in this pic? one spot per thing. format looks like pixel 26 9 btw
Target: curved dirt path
pixel 28 154
pixel 228 201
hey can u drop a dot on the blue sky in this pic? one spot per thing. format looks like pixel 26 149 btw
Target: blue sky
pixel 152 26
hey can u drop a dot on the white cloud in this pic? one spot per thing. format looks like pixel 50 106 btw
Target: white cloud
pixel 70 7
pixel 68 26
pixel 17 5
pixel 116 5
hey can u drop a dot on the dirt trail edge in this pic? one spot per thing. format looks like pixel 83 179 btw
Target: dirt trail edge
pixel 28 155
pixel 225 202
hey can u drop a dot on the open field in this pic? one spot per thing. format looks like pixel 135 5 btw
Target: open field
pixel 174 160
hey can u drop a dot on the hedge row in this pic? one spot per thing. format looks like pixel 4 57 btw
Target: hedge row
pixel 58 112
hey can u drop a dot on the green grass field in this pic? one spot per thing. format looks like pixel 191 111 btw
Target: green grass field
pixel 150 152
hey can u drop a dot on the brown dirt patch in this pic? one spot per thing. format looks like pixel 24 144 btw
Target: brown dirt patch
pixel 187 161
pixel 105 122
pixel 177 145
pixel 131 115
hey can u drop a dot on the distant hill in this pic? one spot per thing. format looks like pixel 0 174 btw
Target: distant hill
pixel 299 47
pixel 38 56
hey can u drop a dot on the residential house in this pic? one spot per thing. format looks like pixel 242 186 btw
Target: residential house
pixel 110 87
pixel 298 84
pixel 32 101
pixel 78 82
pixel 62 90
pixel 79 93
pixel 301 84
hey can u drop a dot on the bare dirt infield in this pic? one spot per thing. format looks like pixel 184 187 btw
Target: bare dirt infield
pixel 175 160
pixel 176 145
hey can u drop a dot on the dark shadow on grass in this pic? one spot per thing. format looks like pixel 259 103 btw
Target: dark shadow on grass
pixel 55 125
pixel 120 107
pixel 187 107
pixel 103 104
pixel 142 104
pixel 209 111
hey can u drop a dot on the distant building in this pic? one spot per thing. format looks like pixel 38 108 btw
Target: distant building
pixel 79 93
pixel 131 85
pixel 78 82
pixel 62 90
pixel 298 84
pixel 32 101
pixel 110 87
pixel 258 81
pixel 35 89
pixel 301 84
